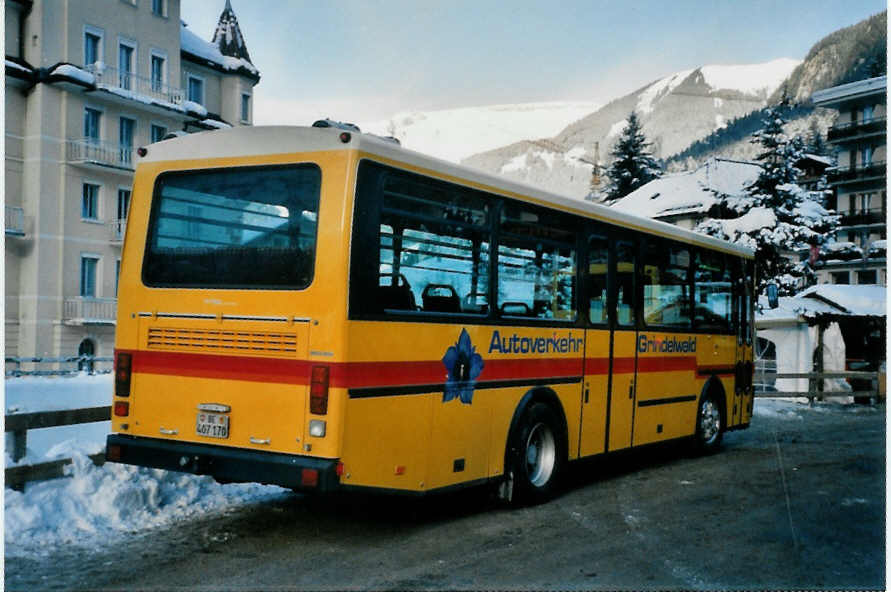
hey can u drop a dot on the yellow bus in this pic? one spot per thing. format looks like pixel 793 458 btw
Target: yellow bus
pixel 324 310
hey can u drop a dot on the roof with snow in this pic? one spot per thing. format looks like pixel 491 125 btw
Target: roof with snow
pixel 832 300
pixel 226 53
pixel 690 192
pixel 836 95
pixel 228 37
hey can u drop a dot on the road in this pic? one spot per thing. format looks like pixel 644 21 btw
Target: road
pixel 797 501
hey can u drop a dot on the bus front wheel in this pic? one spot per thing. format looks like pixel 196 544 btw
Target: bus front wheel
pixel 538 455
pixel 709 425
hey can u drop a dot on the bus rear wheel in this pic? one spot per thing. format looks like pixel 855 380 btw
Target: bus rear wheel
pixel 538 455
pixel 709 425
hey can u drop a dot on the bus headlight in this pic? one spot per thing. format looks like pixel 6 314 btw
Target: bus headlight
pixel 317 428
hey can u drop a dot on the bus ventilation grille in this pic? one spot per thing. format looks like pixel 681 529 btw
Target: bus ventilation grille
pixel 208 340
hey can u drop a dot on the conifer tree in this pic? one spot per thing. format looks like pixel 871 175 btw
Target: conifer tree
pixel 815 143
pixel 633 164
pixel 776 217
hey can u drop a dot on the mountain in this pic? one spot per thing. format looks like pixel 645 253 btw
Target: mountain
pixel 847 55
pixel 454 134
pixel 675 111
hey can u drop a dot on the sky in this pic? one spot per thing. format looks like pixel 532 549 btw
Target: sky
pixel 366 60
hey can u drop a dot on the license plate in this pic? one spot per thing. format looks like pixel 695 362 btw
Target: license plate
pixel 212 425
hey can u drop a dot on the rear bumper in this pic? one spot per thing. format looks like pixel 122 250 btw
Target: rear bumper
pixel 225 464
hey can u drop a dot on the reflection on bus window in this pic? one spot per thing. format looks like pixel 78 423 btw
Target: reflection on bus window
pixel 625 282
pixel 666 285
pixel 598 259
pixel 251 227
pixel 434 245
pixel 712 303
pixel 536 282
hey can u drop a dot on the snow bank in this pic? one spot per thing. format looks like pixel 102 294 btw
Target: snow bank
pixel 99 505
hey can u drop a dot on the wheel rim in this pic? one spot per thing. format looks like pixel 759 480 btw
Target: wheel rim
pixel 541 454
pixel 709 421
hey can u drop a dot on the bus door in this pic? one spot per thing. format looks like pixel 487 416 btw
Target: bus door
pixel 610 347
pixel 743 390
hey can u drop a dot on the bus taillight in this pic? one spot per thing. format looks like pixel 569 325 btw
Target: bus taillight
pixel 123 364
pixel 121 408
pixel 318 391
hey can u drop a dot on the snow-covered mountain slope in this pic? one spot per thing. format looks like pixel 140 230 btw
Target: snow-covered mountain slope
pixel 454 134
pixel 675 111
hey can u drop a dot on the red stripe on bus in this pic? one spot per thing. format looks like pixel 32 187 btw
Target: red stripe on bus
pixel 378 374
pixel 342 374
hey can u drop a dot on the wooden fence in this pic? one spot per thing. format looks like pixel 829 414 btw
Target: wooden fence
pixel 58 366
pixel 816 389
pixel 20 423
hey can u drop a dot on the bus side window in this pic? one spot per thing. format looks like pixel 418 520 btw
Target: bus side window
pixel 626 257
pixel 667 285
pixel 536 264
pixel 434 237
pixel 712 302
pixel 598 267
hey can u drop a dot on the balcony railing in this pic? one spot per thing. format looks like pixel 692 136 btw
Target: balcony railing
pixel 90 311
pixel 113 78
pixel 15 221
pixel 117 229
pixel 856 173
pixel 90 151
pixel 853 129
pixel 862 217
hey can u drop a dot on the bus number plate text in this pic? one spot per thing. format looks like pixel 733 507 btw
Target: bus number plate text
pixel 212 425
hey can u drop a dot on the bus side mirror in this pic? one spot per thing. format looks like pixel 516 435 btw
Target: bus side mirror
pixel 773 298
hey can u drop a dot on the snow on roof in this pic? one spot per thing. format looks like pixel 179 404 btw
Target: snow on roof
pixel 824 299
pixel 817 158
pixel 690 192
pixel 835 95
pixel 792 309
pixel 198 47
pixel 858 300
pixel 228 37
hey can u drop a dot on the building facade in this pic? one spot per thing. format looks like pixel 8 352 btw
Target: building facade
pixel 87 82
pixel 858 182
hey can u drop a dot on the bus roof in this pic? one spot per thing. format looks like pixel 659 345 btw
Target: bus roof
pixel 258 140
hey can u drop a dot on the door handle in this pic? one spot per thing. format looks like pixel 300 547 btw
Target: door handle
pixel 586 395
pixel 631 391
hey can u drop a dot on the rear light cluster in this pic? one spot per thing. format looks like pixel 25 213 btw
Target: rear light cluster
pixel 123 370
pixel 318 391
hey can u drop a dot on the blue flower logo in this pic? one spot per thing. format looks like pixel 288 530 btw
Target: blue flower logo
pixel 463 365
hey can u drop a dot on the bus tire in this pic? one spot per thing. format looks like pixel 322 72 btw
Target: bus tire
pixel 710 424
pixel 538 455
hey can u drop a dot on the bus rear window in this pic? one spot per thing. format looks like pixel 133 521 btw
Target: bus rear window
pixel 247 228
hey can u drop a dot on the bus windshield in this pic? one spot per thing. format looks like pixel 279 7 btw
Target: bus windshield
pixel 247 228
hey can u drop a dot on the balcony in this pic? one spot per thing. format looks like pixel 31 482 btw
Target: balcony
pixel 854 130
pixel 850 174
pixel 90 311
pixel 117 229
pixel 99 154
pixel 130 86
pixel 15 221
pixel 863 217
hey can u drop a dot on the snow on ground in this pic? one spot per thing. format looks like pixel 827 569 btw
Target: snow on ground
pixel 96 504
